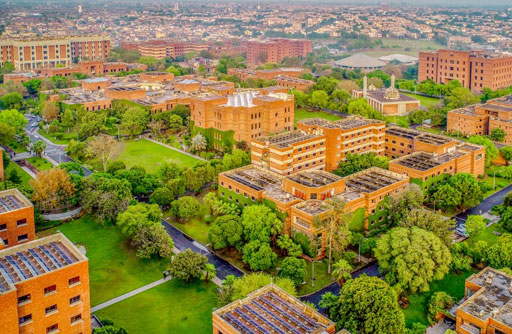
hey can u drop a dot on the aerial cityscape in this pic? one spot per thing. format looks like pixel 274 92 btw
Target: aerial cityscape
pixel 253 167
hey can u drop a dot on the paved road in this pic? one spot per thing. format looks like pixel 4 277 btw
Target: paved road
pixel 182 242
pixel 371 270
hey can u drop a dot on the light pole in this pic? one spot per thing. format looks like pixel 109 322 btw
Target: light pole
pixel 313 273
pixel 494 180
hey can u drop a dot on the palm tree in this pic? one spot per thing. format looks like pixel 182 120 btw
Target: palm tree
pixel 198 143
pixel 210 271
pixel 342 271
pixel 39 147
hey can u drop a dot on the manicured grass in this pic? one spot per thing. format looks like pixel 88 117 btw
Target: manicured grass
pixel 196 228
pixel 487 235
pixel 322 278
pixel 173 307
pixel 424 100
pixel 17 147
pixel 149 155
pixel 301 114
pixel 113 267
pixel 396 119
pixel 452 284
pixel 40 163
pixel 499 183
pixel 59 138
pixel 24 176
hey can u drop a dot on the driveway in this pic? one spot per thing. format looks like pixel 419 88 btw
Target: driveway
pixel 183 242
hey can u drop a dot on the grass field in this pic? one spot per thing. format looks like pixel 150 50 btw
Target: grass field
pixel 113 267
pixel 452 284
pixel 424 100
pixel 499 182
pixel 149 155
pixel 17 147
pixel 59 138
pixel 408 47
pixel 40 163
pixel 196 228
pixel 25 178
pixel 301 114
pixel 396 119
pixel 487 235
pixel 173 307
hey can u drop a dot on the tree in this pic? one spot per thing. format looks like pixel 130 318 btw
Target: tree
pixel 185 207
pixel 430 221
pixel 475 225
pixel 440 301
pixel 226 231
pixel 152 240
pixel 417 328
pixel 259 223
pixel 67 120
pixel 11 101
pixel 376 82
pixel 168 170
pixel 368 305
pixel 187 265
pixel 209 272
pixel 33 85
pixel 138 216
pixel 399 206
pixel 319 99
pixel 446 196
pixel 491 152
pixel 103 147
pixel 497 134
pixel 357 162
pixel 362 108
pixel 294 269
pixel 418 117
pixel 7 133
pixel 52 189
pixel 460 97
pixel 499 254
pixel 244 285
pixel 505 217
pixel 14 118
pixel 286 243
pixel 328 302
pixel 506 152
pixel 342 271
pixel 134 121
pixel 258 255
pixel 181 111
pixel 347 85
pixel 156 127
pixel 198 143
pixel 109 329
pixel 469 188
pixel 39 147
pixel 50 112
pixel 162 196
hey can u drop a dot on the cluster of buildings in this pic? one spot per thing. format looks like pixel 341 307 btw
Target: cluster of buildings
pixel 160 49
pixel 473 69
pixel 275 50
pixel 286 77
pixel 481 119
pixel 36 53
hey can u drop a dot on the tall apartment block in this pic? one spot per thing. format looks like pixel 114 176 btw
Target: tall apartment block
pixel 44 288
pixel 160 49
pixel 16 219
pixel 474 69
pixel 32 54
pixel 275 50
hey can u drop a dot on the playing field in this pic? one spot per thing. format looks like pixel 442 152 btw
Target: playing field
pixel 149 155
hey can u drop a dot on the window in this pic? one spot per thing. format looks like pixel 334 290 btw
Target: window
pixel 23 237
pixel 22 222
pixel 50 309
pixel 52 328
pixel 25 319
pixel 3 227
pixel 76 318
pixel 50 289
pixel 74 280
pixel 24 299
pixel 74 300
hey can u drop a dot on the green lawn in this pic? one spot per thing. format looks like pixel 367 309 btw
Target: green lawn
pixel 499 182
pixel 59 138
pixel 396 119
pixel 17 147
pixel 487 235
pixel 24 176
pixel 196 228
pixel 452 284
pixel 149 155
pixel 322 278
pixel 301 114
pixel 40 163
pixel 113 267
pixel 424 100
pixel 173 307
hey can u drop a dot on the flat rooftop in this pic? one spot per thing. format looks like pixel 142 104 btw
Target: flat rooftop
pixel 314 178
pixel 12 199
pixel 272 310
pixel 493 300
pixel 372 179
pixel 36 258
pixel 424 161
pixel 347 123
pixel 123 88
pixel 80 96
pixel 380 95
pixel 287 139
pixel 434 139
pixel 402 132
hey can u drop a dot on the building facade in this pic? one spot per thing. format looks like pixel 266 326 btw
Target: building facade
pixel 16 218
pixel 275 50
pixel 28 55
pixel 160 49
pixel 473 69
pixel 44 288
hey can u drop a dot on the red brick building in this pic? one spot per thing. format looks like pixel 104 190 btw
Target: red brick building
pixel 16 218
pixel 475 70
pixel 275 50
pixel 160 49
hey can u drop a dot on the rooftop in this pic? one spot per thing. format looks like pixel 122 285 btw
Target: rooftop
pixel 97 79
pixel 434 139
pixel 35 258
pixel 274 311
pixel 287 139
pixel 123 88
pixel 244 99
pixel 423 161
pixel 360 61
pixel 380 95
pixel 314 178
pixel 372 179
pixel 347 123
pixel 12 199
pixel 402 132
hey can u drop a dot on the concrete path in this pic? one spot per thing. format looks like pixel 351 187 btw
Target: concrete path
pixel 129 294
pixel 175 149
pixel 28 171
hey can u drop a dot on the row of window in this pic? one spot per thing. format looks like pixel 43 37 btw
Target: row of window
pixel 50 290
pixel 53 328
pixel 19 223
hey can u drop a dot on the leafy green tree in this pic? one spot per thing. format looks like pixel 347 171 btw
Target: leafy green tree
pixel 447 197
pixel 342 271
pixel 294 269
pixel 137 216
pixel 14 118
pixel 499 254
pixel 176 187
pixel 244 285
pixel 328 302
pixel 11 101
pixel 181 111
pixel 412 258
pixel 469 188
pixel 198 143
pixel 226 231
pixel 506 152
pixel 209 272
pixel 185 207
pixel 168 170
pixel 7 133
pixel 362 108
pixel 259 223
pixel 258 255
pixel 440 301
pixel 67 120
pixel 134 121
pixel 399 206
pixel 357 162
pixel 368 305
pixel 475 225
pixel 162 196
pixel 430 221
pixel 141 182
pixel 33 85
pixel 286 243
pixel 301 98
pixel 460 97
pixel 497 134
pixel 152 240
pixel 109 329
pixel 491 152
pixel 417 328
pixel 506 218
pixel 192 180
pixel 319 99
pixel 187 265
pixel 418 117
pixel 39 147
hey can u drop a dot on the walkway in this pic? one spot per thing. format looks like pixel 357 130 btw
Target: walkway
pixel 129 294
pixel 175 149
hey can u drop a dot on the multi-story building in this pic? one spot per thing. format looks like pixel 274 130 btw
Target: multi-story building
pixel 275 50
pixel 488 304
pixel 38 53
pixel 44 288
pixel 287 77
pixel 388 101
pixel 160 49
pixel 16 218
pixel 481 119
pixel 247 115
pixel 474 69
pixel 269 310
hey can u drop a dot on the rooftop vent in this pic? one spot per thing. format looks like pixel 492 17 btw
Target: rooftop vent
pixel 489 278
